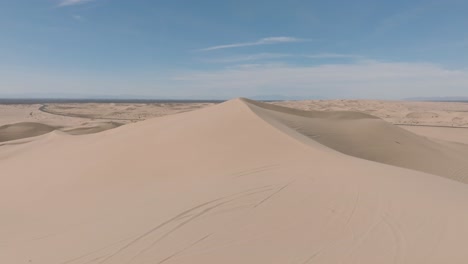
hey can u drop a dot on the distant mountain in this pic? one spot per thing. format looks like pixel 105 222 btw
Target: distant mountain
pixel 440 99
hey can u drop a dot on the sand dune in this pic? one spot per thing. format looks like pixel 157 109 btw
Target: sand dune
pixel 23 130
pixel 449 114
pixel 238 182
pixel 365 136
pixel 28 120
pixel 92 129
pixel 26 130
pixel 459 135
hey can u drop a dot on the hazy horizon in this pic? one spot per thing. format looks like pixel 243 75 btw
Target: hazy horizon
pixel 135 98
pixel 220 50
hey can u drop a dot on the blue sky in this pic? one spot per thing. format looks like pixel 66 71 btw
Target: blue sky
pixel 224 49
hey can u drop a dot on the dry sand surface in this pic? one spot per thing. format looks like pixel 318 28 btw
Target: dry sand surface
pixel 19 121
pixel 450 114
pixel 430 119
pixel 237 182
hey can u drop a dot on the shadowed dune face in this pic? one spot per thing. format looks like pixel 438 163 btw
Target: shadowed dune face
pixel 232 183
pixel 443 114
pixel 23 130
pixel 30 129
pixel 367 137
pixel 338 115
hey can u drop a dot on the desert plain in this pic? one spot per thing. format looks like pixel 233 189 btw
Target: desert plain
pixel 323 181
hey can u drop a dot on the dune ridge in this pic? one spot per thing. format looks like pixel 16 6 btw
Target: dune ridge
pixel 365 136
pixel 230 183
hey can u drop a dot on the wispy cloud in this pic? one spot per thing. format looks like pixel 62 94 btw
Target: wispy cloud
pixel 249 57
pixel 72 2
pixel 368 79
pixel 334 56
pixel 274 56
pixel 263 41
pixel 384 80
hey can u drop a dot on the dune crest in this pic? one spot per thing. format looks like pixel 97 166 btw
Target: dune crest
pixel 237 182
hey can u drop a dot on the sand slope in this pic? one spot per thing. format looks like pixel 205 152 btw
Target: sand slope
pixel 231 183
pixel 365 136
pixel 450 134
pixel 23 130
pixel 19 121
pixel 447 114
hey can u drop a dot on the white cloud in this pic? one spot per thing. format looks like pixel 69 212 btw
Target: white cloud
pixel 72 2
pixel 263 41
